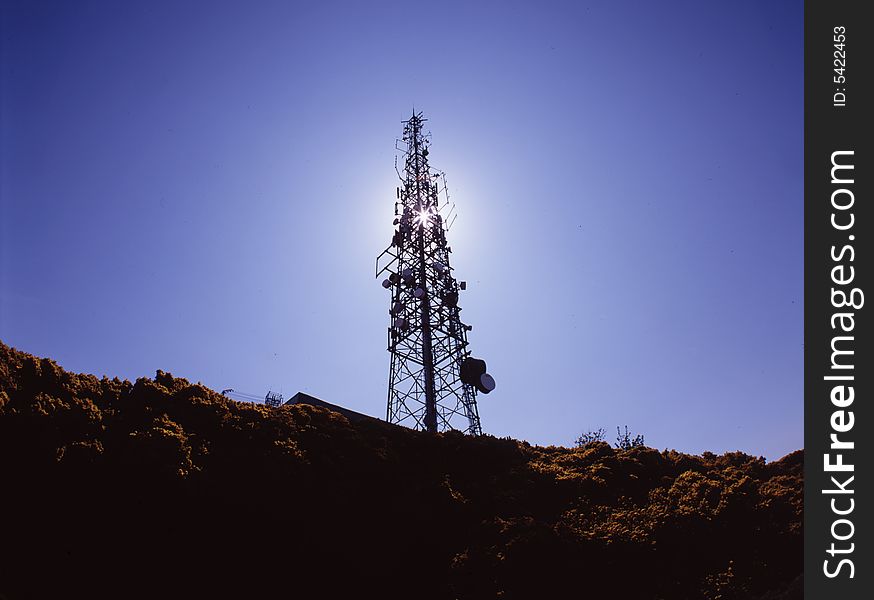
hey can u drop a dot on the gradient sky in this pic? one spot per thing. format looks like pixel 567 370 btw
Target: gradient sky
pixel 203 188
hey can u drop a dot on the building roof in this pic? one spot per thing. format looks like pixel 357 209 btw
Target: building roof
pixel 301 398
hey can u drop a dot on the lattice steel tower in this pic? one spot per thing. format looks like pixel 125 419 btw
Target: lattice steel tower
pixel 433 380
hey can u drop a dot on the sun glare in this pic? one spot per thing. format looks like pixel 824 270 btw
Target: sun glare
pixel 424 217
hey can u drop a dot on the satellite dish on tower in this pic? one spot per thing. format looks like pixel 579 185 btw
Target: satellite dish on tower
pixel 473 372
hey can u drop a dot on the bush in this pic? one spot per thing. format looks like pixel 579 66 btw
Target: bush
pixel 167 489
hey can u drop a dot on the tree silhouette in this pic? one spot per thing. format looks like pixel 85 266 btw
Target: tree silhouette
pixel 624 441
pixel 594 435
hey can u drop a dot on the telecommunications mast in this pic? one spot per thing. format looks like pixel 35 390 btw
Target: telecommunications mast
pixel 433 380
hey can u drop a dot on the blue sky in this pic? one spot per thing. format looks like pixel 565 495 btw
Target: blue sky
pixel 203 188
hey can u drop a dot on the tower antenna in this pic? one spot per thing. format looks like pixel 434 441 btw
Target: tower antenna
pixel 433 379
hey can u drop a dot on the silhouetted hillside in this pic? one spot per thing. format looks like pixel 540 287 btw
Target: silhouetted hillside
pixel 161 488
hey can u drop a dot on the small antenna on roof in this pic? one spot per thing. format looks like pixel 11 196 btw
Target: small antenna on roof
pixel 273 399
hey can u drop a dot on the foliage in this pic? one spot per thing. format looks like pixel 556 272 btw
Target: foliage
pixel 624 441
pixel 593 435
pixel 163 488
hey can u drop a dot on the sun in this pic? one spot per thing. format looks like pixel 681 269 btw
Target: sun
pixel 424 217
